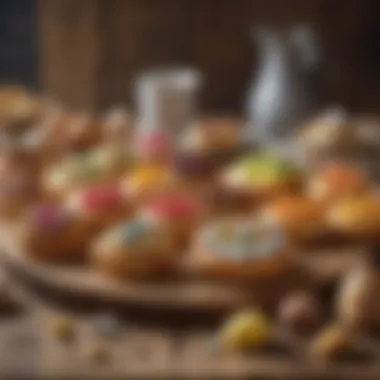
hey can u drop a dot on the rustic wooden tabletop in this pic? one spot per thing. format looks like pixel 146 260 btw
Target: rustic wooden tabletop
pixel 29 346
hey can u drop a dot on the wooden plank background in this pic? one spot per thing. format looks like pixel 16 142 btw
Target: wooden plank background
pixel 91 50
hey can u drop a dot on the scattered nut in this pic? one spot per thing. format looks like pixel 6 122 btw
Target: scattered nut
pixel 63 328
pixel 249 329
pixel 331 342
pixel 300 312
pixel 97 352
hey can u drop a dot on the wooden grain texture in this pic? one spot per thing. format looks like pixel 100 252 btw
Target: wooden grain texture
pixel 91 50
pixel 146 349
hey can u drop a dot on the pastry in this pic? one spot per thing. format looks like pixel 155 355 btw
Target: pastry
pixel 356 217
pixel 111 159
pixel 51 233
pixel 336 180
pixel 136 249
pixel 19 109
pixel 74 172
pixel 117 126
pixel 239 249
pixel 82 132
pixel 98 206
pixel 147 181
pixel 302 218
pixel 328 136
pixel 180 213
pixel 207 145
pixel 260 177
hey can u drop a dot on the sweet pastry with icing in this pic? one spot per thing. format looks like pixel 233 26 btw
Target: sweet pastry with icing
pixel 328 136
pixel 117 126
pixel 135 249
pixel 99 206
pixel 207 145
pixel 72 173
pixel 301 218
pixel 111 159
pixel 337 180
pixel 355 217
pixel 239 249
pixel 180 213
pixel 82 132
pixel 51 233
pixel 147 181
pixel 260 177
pixel 19 109
pixel 153 147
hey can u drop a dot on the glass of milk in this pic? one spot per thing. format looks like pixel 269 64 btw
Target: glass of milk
pixel 167 100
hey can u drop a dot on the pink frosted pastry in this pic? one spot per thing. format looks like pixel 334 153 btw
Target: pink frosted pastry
pixel 99 206
pixel 155 146
pixel 52 233
pixel 180 213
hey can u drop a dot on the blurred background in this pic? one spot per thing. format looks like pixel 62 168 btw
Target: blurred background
pixel 87 52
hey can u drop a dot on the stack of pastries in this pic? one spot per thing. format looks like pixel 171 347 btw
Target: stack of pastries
pixel 90 189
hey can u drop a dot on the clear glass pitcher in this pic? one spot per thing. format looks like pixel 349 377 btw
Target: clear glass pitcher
pixel 281 96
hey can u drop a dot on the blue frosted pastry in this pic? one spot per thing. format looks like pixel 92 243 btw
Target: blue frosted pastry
pixel 136 249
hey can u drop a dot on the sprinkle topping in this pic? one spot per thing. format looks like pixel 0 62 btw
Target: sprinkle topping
pixel 243 240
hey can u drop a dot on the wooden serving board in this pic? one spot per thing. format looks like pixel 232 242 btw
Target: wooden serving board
pixel 186 294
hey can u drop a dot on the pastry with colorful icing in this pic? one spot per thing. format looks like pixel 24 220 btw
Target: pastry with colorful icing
pixel 207 145
pixel 111 159
pixel 301 218
pixel 328 135
pixel 145 182
pixel 51 233
pixel 180 213
pixel 99 206
pixel 337 180
pixel 117 126
pixel 355 217
pixel 135 249
pixel 239 249
pixel 260 177
pixel 72 173
pixel 82 132
pixel 19 109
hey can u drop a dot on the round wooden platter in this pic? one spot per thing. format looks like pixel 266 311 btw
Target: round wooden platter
pixel 186 294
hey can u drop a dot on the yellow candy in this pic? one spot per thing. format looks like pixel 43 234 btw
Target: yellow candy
pixel 249 329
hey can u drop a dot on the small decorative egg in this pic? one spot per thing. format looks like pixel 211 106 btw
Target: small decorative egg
pixel 248 329
pixel 300 312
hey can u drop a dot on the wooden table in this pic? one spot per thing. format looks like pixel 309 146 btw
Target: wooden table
pixel 29 348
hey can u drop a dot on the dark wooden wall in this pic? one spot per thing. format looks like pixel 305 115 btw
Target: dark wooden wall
pixel 91 50
pixel 18 53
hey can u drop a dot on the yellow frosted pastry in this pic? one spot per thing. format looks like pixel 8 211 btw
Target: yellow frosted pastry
pixel 261 176
pixel 145 182
pixel 356 216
